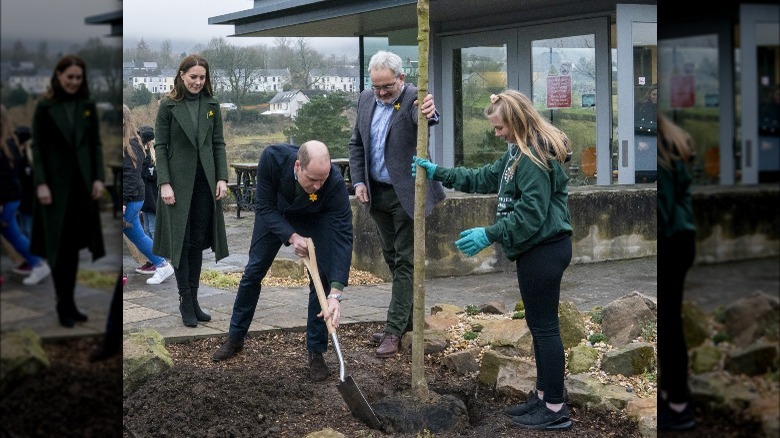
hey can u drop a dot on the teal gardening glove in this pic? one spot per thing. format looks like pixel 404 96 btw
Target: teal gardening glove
pixel 429 167
pixel 472 241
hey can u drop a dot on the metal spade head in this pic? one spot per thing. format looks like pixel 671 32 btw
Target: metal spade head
pixel 357 403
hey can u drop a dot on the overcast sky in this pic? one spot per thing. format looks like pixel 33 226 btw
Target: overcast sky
pixel 188 20
pixel 57 21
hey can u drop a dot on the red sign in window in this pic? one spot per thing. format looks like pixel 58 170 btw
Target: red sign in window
pixel 683 93
pixel 558 92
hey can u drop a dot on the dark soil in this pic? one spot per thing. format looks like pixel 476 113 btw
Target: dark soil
pixel 71 398
pixel 264 392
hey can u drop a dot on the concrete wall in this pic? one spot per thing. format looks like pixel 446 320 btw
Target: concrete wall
pixel 610 223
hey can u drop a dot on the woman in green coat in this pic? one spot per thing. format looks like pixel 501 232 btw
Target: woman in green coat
pixel 192 178
pixel 533 226
pixel 68 174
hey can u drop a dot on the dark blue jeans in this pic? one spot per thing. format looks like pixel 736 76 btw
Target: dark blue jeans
pixel 265 245
pixel 539 274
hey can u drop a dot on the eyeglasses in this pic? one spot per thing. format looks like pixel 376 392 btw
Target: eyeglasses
pixel 386 87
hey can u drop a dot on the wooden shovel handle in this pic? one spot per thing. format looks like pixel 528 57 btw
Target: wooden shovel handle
pixel 311 265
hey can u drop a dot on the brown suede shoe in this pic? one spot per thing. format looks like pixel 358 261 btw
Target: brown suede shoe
pixel 377 337
pixel 389 346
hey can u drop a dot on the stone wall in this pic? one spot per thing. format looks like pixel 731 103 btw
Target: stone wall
pixel 610 223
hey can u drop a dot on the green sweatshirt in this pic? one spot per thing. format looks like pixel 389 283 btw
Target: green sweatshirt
pixel 675 207
pixel 532 202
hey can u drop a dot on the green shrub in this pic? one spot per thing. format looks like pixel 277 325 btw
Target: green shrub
pixel 518 315
pixel 470 335
pixel 596 338
pixel 719 337
pixel 595 315
pixel 519 306
pixel 472 309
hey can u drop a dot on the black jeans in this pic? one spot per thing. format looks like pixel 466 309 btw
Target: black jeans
pixel 539 274
pixel 675 258
pixel 198 235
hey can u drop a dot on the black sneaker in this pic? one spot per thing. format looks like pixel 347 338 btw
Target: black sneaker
pixel 318 369
pixel 523 408
pixel 542 418
pixel 669 419
pixel 227 350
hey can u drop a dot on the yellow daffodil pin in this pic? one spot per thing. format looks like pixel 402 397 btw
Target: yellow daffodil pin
pixel 211 114
pixel 312 197
pixel 87 113
pixel 397 106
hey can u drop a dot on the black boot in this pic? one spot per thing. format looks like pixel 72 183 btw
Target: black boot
pixel 64 315
pixel 186 309
pixel 199 313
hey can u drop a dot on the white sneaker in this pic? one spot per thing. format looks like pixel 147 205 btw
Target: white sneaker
pixel 37 274
pixel 161 274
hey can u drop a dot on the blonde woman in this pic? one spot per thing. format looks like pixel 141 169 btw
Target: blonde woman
pixel 676 252
pixel 534 228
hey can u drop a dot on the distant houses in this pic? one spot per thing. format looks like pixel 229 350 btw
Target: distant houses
pixel 288 103
pixel 35 80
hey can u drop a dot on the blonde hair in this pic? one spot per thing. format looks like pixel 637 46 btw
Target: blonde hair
pixel 129 132
pixel 674 143
pixel 7 133
pixel 530 131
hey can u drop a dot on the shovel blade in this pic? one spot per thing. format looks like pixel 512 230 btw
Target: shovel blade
pixel 357 403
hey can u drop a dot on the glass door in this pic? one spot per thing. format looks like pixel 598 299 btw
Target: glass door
pixel 562 67
pixel 637 85
pixel 760 60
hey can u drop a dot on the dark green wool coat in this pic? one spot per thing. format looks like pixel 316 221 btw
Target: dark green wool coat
pixel 177 152
pixel 60 149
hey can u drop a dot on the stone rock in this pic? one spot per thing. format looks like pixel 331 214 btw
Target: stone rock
pixel 491 362
pixel 622 320
pixel 436 341
pixel 441 321
pixel 283 268
pixel 749 318
pixel 516 378
pixel 632 359
pixel 493 308
pixel 511 337
pixel 572 326
pixel 590 394
pixel 143 356
pixel 695 324
pixel 644 412
pixel 581 358
pixel 767 412
pixel 325 433
pixel 719 392
pixel 448 308
pixel 756 359
pixel 462 362
pixel 21 355
pixel 705 358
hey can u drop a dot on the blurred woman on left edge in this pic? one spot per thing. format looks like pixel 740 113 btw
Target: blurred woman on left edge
pixel 69 175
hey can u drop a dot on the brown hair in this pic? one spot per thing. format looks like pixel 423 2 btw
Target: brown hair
pixel 179 89
pixel 674 143
pixel 55 88
pixel 529 129
pixel 129 132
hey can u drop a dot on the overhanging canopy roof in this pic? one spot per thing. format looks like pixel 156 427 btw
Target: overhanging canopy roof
pixel 350 18
pixel 112 18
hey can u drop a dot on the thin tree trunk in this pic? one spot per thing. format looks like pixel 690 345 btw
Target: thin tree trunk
pixel 419 384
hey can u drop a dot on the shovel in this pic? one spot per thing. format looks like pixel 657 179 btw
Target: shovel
pixel 347 387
